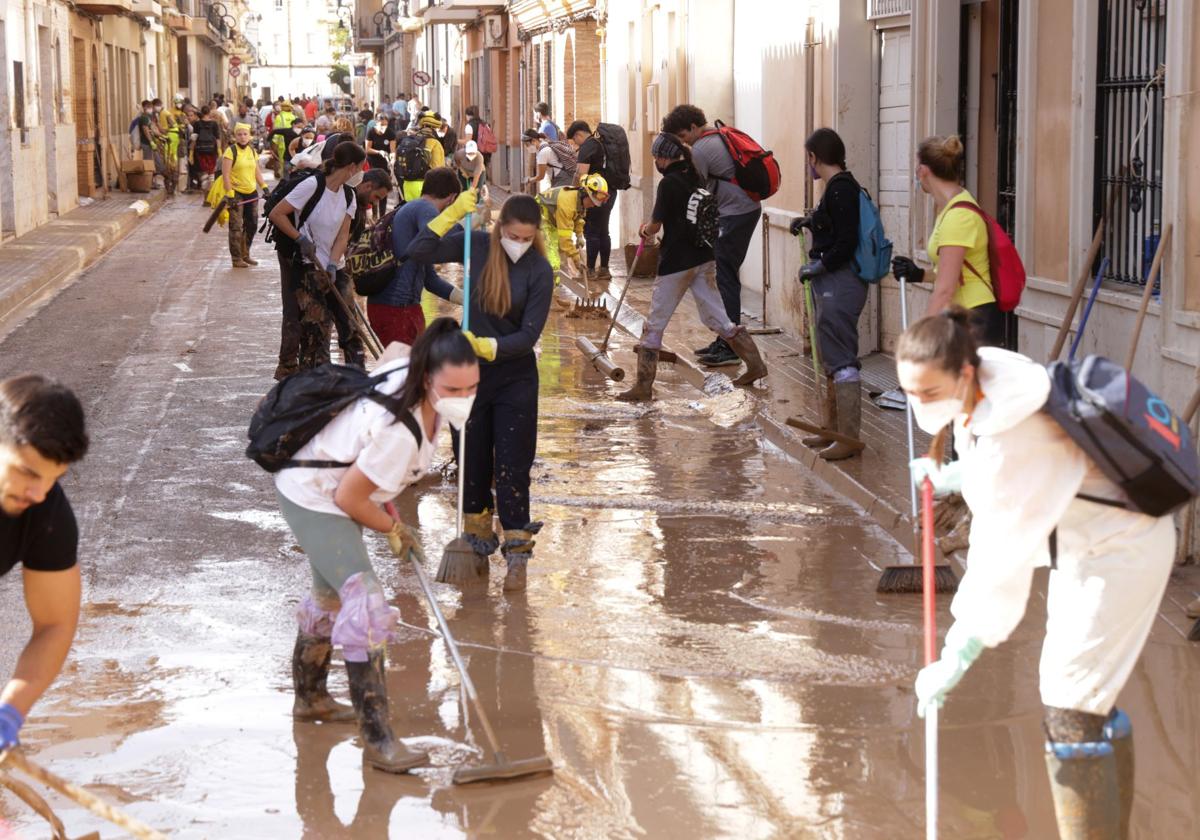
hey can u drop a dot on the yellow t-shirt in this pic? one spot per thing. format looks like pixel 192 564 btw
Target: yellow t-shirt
pixel 243 173
pixel 965 229
pixel 437 152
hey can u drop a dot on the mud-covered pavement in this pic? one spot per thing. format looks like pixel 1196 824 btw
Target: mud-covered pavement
pixel 700 649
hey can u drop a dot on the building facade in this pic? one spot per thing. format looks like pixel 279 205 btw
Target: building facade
pixel 295 48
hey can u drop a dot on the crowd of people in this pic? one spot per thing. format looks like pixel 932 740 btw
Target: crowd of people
pixel 1028 485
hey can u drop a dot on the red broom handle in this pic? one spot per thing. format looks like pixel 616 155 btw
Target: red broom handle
pixel 928 585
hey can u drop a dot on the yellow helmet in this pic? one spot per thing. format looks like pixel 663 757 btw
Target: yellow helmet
pixel 596 187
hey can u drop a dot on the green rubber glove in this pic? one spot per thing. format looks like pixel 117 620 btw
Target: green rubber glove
pixel 936 679
pixel 485 348
pixel 452 215
pixel 945 478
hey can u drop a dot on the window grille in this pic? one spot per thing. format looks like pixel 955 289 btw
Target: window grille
pixel 1129 133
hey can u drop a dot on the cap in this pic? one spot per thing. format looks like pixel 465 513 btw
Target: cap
pixel 472 150
pixel 531 134
pixel 666 146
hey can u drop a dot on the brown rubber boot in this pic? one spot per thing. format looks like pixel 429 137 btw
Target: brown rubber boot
pixel 518 548
pixel 647 370
pixel 848 396
pixel 747 351
pixel 310 670
pixel 381 749
pixel 829 420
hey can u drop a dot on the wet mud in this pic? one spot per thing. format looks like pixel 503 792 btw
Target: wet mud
pixel 700 650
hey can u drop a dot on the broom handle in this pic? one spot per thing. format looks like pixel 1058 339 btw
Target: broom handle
pixel 908 417
pixel 466 325
pixel 1147 293
pixel 812 337
pixel 1087 310
pixel 931 715
pixel 16 758
pixel 452 646
pixel 604 347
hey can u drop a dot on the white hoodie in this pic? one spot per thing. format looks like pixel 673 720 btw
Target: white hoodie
pixel 1021 473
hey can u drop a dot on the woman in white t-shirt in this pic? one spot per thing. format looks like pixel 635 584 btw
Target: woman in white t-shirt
pixel 365 456
pixel 322 238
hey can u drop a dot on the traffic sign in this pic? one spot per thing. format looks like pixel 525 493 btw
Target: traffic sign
pixel 235 61
pixel 420 78
pixel 235 71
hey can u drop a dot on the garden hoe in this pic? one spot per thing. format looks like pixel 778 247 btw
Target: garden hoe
pixel 501 767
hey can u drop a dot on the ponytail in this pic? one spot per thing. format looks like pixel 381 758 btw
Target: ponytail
pixel 946 341
pixel 442 343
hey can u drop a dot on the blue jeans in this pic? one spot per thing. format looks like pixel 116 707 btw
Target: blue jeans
pixel 730 251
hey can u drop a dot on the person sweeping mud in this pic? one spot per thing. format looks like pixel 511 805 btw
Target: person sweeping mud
pixel 41 435
pixel 564 216
pixel 511 288
pixel 1029 486
pixel 382 445
pixel 685 262
pixel 838 293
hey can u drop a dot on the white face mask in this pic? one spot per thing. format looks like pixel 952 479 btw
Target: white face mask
pixel 455 410
pixel 513 248
pixel 355 179
pixel 933 415
pixel 380 129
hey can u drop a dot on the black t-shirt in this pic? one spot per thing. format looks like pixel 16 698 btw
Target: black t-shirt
pixel 381 142
pixel 44 538
pixel 592 153
pixel 677 252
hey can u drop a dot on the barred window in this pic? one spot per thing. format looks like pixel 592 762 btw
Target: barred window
pixel 1129 134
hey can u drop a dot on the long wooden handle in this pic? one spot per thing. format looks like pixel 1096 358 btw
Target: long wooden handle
pixel 16 758
pixel 1147 293
pixel 1085 271
pixel 813 428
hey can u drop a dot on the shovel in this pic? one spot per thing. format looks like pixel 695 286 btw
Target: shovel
pixel 501 767
pixel 598 356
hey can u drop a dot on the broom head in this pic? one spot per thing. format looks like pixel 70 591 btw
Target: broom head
pixel 907 579
pixel 460 564
pixel 503 769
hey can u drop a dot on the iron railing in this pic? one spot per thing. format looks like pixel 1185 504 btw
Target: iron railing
pixel 887 8
pixel 1006 118
pixel 1129 133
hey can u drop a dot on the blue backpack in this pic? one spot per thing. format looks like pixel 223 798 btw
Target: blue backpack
pixel 873 256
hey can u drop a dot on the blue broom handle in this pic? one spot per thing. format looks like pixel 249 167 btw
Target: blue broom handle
pixel 466 318
pixel 1087 310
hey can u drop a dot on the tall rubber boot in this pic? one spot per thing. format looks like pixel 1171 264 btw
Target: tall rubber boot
pixel 829 417
pixel 747 351
pixel 647 370
pixel 478 530
pixel 381 749
pixel 1118 730
pixel 310 670
pixel 517 549
pixel 848 396
pixel 1083 781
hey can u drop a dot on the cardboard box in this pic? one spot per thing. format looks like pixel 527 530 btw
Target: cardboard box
pixel 140 182
pixel 137 165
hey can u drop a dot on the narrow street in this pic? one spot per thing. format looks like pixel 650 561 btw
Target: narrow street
pixel 700 650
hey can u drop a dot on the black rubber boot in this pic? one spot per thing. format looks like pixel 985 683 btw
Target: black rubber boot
pixel 310 670
pixel 1083 781
pixel 381 749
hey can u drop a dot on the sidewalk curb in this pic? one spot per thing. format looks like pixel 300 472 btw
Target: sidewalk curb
pixel 83 242
pixel 891 519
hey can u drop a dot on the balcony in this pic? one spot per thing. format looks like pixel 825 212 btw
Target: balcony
pixel 887 8
pixel 178 23
pixel 146 8
pixel 218 31
pixel 105 7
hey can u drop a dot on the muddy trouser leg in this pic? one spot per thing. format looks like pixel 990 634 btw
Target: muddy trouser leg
pixel 354 352
pixel 237 236
pixel 596 234
pixel 289 331
pixel 730 252
pixel 839 297
pixel 668 291
pixel 316 321
pixel 249 217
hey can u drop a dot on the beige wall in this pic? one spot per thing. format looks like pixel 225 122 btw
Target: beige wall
pixel 1052 142
pixel 1190 205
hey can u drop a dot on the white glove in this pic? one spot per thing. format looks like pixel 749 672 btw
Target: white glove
pixel 945 478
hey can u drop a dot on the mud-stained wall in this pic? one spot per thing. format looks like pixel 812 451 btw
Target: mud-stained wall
pixel 1052 146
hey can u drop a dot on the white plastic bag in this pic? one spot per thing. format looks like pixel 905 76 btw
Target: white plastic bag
pixel 309 158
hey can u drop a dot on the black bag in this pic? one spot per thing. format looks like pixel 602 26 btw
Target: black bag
pixel 617 163
pixel 702 219
pixel 301 405
pixel 285 244
pixel 412 158
pixel 1134 437
pixel 207 133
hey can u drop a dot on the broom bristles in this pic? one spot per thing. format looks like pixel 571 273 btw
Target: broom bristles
pixel 909 580
pixel 1194 636
pixel 460 564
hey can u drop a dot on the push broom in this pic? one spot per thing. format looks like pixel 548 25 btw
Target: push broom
pixel 460 562
pixel 906 577
pixel 931 713
pixel 501 766
pixel 598 356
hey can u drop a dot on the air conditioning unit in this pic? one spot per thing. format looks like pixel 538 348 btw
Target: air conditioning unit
pixel 495 32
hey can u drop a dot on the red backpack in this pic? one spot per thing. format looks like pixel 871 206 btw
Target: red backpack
pixel 755 169
pixel 486 141
pixel 1007 270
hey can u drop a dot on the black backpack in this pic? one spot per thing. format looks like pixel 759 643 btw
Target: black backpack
pixel 615 144
pixel 285 244
pixel 207 132
pixel 301 405
pixel 370 260
pixel 412 158
pixel 1134 437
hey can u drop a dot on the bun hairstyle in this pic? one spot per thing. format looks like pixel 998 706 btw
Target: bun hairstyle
pixel 442 343
pixel 946 340
pixel 344 154
pixel 495 293
pixel 944 156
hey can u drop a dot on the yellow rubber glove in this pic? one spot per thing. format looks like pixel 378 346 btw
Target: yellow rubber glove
pixel 485 348
pixel 452 215
pixel 229 193
pixel 401 539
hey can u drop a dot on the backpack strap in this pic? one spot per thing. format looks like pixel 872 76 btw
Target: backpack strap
pixel 311 204
pixel 979 212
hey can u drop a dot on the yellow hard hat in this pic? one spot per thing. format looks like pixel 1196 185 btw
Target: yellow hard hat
pixel 596 187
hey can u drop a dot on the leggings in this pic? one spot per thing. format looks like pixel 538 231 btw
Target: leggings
pixel 595 233
pixel 502 440
pixel 334 547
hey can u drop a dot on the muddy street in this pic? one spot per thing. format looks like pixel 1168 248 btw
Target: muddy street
pixel 700 649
